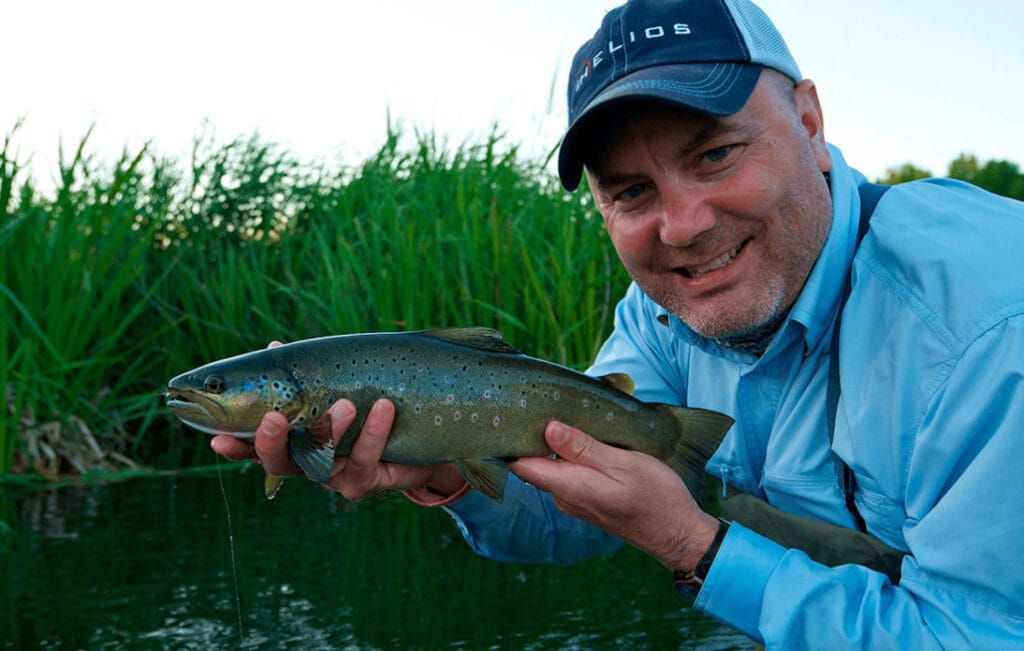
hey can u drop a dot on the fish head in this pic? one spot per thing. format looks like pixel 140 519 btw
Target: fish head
pixel 231 396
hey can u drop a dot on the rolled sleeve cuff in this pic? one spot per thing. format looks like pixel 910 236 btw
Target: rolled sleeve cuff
pixel 735 586
pixel 473 511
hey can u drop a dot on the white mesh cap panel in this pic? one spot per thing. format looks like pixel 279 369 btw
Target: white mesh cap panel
pixel 765 42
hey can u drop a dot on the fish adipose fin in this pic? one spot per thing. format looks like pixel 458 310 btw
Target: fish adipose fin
pixel 702 433
pixel 620 381
pixel 488 476
pixel 485 339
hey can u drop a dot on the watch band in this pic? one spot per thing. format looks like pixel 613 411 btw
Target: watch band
pixel 689 583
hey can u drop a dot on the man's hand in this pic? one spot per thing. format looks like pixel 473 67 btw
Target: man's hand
pixel 359 475
pixel 629 494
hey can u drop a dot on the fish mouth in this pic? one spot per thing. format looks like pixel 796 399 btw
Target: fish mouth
pixel 200 412
pixel 696 271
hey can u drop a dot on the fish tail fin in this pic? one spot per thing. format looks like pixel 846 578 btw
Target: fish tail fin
pixel 700 433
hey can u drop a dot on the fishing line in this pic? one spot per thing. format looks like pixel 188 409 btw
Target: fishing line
pixel 231 546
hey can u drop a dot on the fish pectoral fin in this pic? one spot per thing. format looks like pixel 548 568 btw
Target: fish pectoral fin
pixel 487 475
pixel 272 485
pixel 315 459
pixel 620 381
pixel 321 433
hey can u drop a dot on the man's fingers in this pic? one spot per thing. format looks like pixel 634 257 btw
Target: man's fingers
pixel 538 471
pixel 343 413
pixel 367 450
pixel 577 446
pixel 232 448
pixel 272 445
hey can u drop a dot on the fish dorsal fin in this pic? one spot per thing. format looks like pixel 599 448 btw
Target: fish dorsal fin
pixel 620 381
pixel 485 339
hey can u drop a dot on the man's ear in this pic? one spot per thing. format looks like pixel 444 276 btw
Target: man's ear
pixel 809 110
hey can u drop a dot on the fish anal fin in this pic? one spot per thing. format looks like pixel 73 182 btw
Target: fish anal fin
pixel 620 381
pixel 485 339
pixel 487 475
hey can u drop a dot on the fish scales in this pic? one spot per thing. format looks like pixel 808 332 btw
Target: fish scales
pixel 461 395
pixel 468 395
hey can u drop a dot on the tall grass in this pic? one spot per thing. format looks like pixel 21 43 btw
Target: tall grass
pixel 141 269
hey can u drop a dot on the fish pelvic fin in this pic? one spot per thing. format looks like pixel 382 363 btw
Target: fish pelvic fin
pixel 701 432
pixel 487 475
pixel 272 485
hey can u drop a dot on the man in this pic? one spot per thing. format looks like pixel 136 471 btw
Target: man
pixel 705 153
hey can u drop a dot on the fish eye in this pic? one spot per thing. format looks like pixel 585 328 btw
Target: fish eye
pixel 214 384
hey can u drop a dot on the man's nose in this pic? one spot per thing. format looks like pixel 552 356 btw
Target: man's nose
pixel 685 216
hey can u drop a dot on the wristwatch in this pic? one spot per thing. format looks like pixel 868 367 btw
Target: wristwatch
pixel 688 584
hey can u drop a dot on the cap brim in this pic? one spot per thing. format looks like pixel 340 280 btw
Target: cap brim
pixel 714 88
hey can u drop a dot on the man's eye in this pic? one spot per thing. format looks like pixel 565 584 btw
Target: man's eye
pixel 717 154
pixel 633 191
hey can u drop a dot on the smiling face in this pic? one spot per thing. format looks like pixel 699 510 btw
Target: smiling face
pixel 719 220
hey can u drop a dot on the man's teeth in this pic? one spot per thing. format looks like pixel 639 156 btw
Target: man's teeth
pixel 717 263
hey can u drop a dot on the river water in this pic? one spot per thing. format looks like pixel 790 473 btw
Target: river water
pixel 157 563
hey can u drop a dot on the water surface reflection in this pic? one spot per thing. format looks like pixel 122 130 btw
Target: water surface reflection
pixel 147 564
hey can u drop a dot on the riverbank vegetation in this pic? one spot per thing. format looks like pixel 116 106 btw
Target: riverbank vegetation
pixel 141 269
pixel 136 270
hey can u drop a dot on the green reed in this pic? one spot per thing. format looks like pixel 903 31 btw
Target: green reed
pixel 71 301
pixel 139 270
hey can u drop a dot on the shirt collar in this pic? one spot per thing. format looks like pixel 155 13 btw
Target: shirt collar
pixel 816 306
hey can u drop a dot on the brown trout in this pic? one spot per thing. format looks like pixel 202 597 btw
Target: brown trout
pixel 461 395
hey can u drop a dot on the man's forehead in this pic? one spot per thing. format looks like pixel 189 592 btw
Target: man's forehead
pixel 618 123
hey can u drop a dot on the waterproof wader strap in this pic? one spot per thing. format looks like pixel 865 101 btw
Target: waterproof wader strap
pixel 870 194
pixel 824 543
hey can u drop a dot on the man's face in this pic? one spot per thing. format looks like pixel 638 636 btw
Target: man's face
pixel 719 220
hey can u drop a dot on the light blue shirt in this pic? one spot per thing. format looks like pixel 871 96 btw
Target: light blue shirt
pixel 931 421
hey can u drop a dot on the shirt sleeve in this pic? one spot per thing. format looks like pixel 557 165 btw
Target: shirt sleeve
pixel 642 347
pixel 527 527
pixel 962 586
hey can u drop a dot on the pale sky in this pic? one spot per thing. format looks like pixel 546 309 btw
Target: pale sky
pixel 900 80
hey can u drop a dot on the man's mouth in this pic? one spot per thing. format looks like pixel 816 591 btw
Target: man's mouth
pixel 719 262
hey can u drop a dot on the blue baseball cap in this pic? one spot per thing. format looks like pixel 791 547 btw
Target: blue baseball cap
pixel 705 55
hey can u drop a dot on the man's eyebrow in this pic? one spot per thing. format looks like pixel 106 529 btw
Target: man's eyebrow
pixel 704 134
